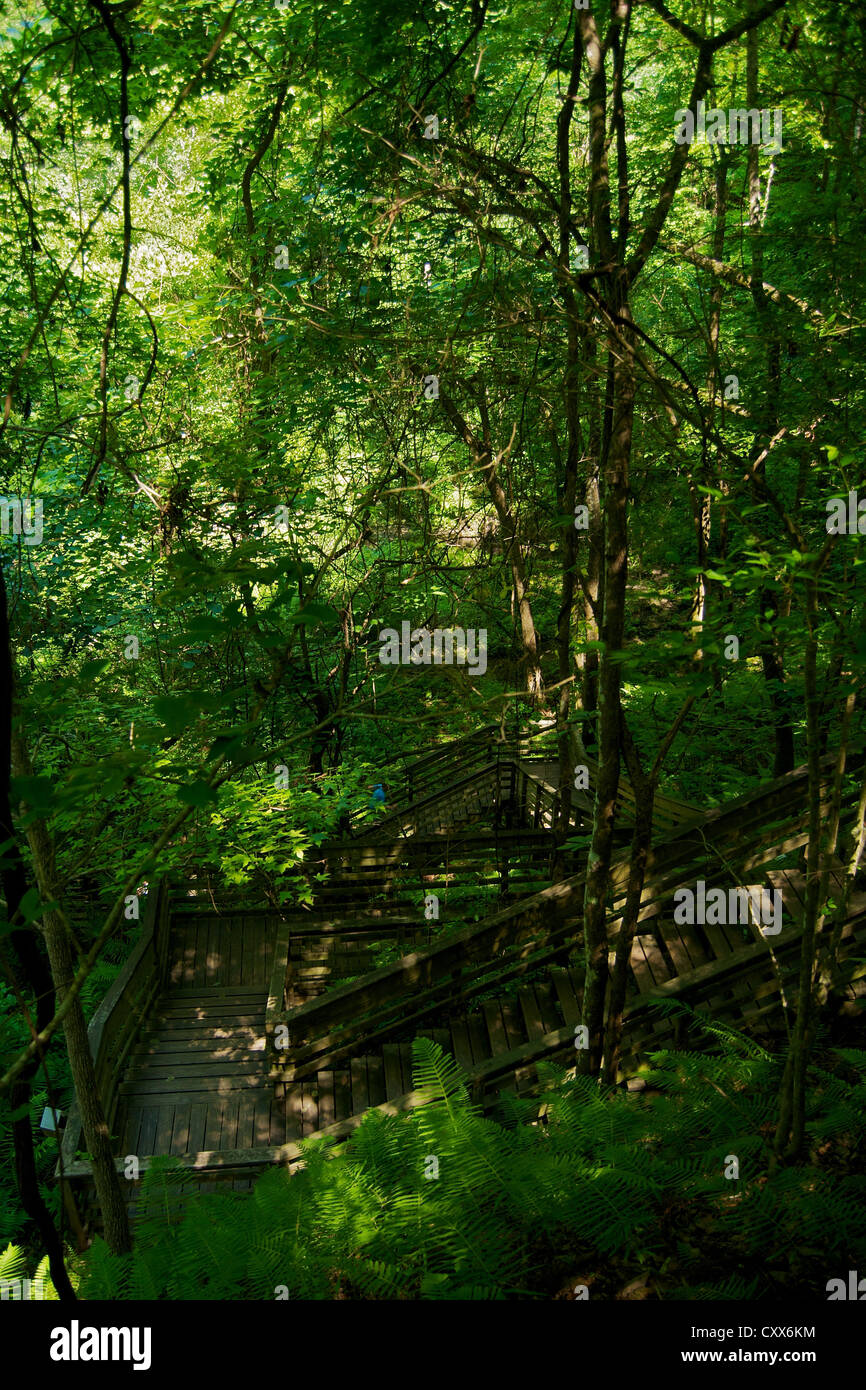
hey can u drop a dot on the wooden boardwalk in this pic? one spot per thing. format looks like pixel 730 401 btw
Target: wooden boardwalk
pixel 189 1053
pixel 198 1079
pixel 487 774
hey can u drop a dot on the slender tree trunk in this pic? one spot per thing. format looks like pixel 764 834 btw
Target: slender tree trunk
pixel 483 458
pixel 644 790
pixel 57 940
pixel 791 1126
pixel 701 504
pixel 29 970
pixel 571 386
pixel 593 596
pixel 830 955
pixel 772 660
pixel 609 695
pixel 828 947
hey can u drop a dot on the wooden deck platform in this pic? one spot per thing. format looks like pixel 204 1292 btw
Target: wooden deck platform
pixel 186 1041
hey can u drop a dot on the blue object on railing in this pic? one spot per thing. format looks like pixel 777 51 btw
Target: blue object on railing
pixel 378 797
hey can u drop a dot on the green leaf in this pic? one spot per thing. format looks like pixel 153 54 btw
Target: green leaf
pixel 198 794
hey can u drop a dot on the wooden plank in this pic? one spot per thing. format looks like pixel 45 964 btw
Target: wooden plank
pixel 245 936
pixel 213 1127
pixel 393 1071
pixel 708 975
pixel 211 973
pixel 310 1108
pixel 717 941
pixel 676 950
pixel 575 974
pixel 654 959
pixel 262 1121
pixel 175 957
pixel 495 1027
pixel 547 1005
pixel 268 944
pixel 197 1126
pixel 479 1039
pixel 246 1120
pixel 360 1095
pixel 229 1131
pixel 217 1024
pixel 147 1133
pixel 792 886
pixel 406 1066
pixel 188 1085
pixel 233 953
pixel 200 966
pixel 204 1021
pixel 531 1014
pixel 293 1105
pixel 218 940
pixel 376 1080
pixel 263 954
pixel 237 952
pixel 170 1046
pixel 230 995
pixel 692 945
pixel 131 1130
pixel 565 995
pixel 164 1126
pixel 223 950
pixel 293 1118
pixel 460 1044
pixel 228 930
pixel 188 973
pixel 639 967
pixel 211 1014
pixel 325 1084
pixel 515 1034
pixel 278 1123
pixel 257 1159
pixel 196 1068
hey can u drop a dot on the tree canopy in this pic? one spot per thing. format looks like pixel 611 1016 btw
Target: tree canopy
pixel 528 329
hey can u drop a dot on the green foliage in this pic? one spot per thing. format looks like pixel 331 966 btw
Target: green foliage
pixel 509 1209
pixel 14 1264
pixel 13 1036
pixel 299 256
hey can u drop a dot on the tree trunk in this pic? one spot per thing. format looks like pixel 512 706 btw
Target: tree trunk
pixel 791 1127
pixel 481 450
pixel 28 969
pixel 644 789
pixel 57 940
pixel 571 387
pixel 609 701
pixel 701 507
pixel 772 660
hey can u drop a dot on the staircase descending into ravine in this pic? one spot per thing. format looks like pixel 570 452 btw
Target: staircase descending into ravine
pixel 236 1030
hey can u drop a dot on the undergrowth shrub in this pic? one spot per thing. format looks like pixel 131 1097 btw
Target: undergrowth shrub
pixel 443 1203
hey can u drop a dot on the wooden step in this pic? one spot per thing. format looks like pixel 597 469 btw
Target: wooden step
pixel 151 1067
pixel 229 1047
pixel 206 1083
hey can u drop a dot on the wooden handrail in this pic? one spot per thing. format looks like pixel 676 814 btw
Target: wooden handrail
pixel 424 972
pixel 419 771
pixel 431 769
pixel 114 1026
pixel 398 818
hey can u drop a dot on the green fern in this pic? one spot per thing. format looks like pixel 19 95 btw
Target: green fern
pixel 444 1202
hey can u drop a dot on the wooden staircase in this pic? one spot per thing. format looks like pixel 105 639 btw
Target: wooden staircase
pixel 273 1025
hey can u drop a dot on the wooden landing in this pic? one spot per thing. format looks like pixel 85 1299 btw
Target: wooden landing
pixel 732 973
pixel 198 1079
pixel 198 1086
